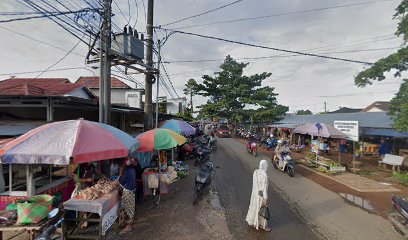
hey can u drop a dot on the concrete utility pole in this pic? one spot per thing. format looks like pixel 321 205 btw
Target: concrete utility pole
pixel 157 83
pixel 149 62
pixel 325 108
pixel 105 67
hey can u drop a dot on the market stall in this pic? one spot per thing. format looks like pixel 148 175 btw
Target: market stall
pixel 157 179
pixel 39 161
pixel 323 131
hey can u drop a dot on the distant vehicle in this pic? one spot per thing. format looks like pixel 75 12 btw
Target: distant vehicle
pixel 223 131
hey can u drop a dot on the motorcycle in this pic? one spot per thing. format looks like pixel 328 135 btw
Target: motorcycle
pixel 399 218
pixel 288 164
pixel 269 144
pixel 252 148
pixel 203 180
pixel 48 233
pixel 203 155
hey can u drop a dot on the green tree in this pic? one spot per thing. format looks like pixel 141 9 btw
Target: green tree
pixel 234 96
pixel 398 63
pixel 304 112
pixel 191 89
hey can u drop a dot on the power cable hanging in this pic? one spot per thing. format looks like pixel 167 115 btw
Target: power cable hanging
pixel 137 14
pixel 279 14
pixel 63 57
pixel 47 15
pixel 204 13
pixel 270 48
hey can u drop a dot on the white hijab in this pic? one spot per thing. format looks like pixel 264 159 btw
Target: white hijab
pixel 263 165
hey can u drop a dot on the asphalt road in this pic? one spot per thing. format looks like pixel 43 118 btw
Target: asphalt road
pixel 233 180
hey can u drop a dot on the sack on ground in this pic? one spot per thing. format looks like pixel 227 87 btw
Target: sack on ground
pixel 153 181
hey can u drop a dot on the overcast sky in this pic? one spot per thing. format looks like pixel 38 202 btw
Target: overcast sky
pixel 302 82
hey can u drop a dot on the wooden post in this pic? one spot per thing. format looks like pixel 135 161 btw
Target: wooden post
pixel 30 179
pixel 354 167
pixel 338 149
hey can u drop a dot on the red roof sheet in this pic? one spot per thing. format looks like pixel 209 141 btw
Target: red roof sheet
pixel 93 82
pixel 38 87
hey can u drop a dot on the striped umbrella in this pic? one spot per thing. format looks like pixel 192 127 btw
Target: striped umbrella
pixel 180 127
pixel 159 139
pixel 58 142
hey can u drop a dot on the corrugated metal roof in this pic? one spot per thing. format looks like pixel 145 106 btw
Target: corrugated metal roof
pixel 365 119
pixel 17 128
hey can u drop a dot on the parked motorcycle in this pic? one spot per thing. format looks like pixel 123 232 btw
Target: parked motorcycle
pixel 47 234
pixel 203 180
pixel 288 164
pixel 399 218
pixel 252 148
pixel 269 144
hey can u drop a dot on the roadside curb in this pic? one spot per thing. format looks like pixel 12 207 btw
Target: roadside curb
pixel 345 184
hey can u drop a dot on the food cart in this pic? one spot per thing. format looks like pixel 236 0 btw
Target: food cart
pixel 38 161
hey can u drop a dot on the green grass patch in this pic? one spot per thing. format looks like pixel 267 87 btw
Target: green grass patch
pixel 402 177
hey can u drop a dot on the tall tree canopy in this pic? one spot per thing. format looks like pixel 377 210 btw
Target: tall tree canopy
pixel 237 97
pixel 190 89
pixel 304 112
pixel 397 62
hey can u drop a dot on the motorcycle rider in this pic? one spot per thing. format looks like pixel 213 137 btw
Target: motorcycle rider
pixel 281 148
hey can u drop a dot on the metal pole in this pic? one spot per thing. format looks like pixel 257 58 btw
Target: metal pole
pixel 149 64
pixel 157 83
pixel 101 75
pixel 354 158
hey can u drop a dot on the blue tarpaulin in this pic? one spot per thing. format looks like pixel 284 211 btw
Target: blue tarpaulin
pixel 384 132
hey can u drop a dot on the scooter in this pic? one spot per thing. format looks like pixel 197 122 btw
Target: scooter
pixel 399 218
pixel 252 148
pixel 203 155
pixel 269 144
pixel 288 163
pixel 48 233
pixel 203 180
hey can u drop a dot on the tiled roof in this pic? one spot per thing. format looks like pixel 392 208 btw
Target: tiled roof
pixel 37 87
pixel 93 82
pixel 380 105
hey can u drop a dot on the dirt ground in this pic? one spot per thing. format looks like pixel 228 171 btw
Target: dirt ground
pixel 380 201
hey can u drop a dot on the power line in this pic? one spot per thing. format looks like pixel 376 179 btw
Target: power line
pixel 120 10
pixel 271 48
pixel 280 14
pixel 39 71
pixel 137 14
pixel 63 57
pixel 278 56
pixel 45 15
pixel 201 14
pixel 39 41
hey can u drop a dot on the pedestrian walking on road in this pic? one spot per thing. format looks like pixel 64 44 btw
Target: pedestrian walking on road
pixel 259 198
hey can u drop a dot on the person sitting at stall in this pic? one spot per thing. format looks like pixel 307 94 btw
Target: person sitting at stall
pixel 154 163
pixel 127 180
pixel 139 181
pixel 163 159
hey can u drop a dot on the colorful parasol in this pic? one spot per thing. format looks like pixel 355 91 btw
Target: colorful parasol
pixel 159 139
pixel 319 130
pixel 56 143
pixel 180 127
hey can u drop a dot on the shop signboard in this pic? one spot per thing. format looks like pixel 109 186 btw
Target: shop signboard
pixel 349 128
pixel 109 218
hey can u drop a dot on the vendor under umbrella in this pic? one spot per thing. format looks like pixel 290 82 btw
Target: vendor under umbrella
pixel 127 180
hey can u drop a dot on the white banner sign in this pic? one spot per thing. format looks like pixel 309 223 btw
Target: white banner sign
pixel 109 218
pixel 350 128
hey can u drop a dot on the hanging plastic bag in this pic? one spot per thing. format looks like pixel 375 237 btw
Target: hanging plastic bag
pixel 153 181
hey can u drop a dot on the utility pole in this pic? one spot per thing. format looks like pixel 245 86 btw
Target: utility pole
pixel 325 108
pixel 105 68
pixel 149 63
pixel 157 83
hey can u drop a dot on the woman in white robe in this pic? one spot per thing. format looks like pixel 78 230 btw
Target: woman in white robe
pixel 259 184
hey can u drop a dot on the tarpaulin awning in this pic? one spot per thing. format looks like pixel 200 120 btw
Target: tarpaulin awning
pixel 384 132
pixel 284 125
pixel 319 130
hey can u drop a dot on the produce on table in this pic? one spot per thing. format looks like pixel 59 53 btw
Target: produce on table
pixel 102 187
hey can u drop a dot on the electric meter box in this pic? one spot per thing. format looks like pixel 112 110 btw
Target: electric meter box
pixel 126 45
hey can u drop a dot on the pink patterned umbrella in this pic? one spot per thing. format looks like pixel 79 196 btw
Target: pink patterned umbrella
pixel 58 142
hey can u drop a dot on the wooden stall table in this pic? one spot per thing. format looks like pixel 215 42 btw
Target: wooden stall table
pixel 103 211
pixel 14 231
